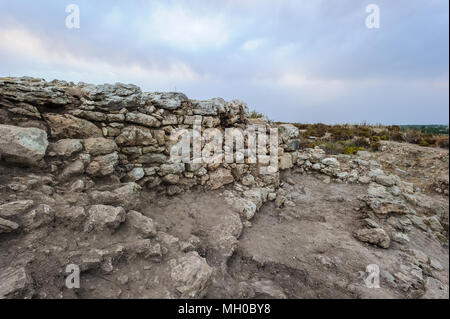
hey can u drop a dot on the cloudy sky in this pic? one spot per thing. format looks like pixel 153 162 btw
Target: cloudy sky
pixel 292 60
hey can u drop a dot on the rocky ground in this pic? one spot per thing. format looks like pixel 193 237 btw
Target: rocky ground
pixel 313 237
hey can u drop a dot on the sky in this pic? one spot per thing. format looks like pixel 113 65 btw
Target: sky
pixel 306 61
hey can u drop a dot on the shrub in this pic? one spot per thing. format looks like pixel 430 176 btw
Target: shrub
pixel 362 142
pixel 256 115
pixel 375 146
pixel 424 143
pixel 350 150
pixel 397 136
pixel 333 148
pixel 443 142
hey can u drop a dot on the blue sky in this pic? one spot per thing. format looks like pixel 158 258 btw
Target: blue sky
pixel 301 61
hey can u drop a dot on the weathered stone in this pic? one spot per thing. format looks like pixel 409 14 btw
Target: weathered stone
pixel 209 107
pixel 15 283
pixel 375 236
pixel 103 165
pixel 385 180
pixel 245 207
pixel 66 147
pixel 175 168
pixel 330 161
pixel 142 119
pixel 72 216
pixel 7 226
pixel 135 136
pixel 435 289
pixel 102 217
pixel 287 132
pixel 100 146
pixel 285 161
pixel 152 158
pixel 142 224
pixel 22 145
pixel 135 174
pixel 192 275
pixel 41 216
pixel 72 169
pixel 401 238
pixel 125 195
pixel 171 179
pixel 166 100
pixel 15 208
pixel 68 126
pixel 220 177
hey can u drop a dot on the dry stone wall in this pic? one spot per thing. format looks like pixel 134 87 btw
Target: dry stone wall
pixel 117 131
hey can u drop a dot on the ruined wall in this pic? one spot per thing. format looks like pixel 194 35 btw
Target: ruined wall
pixel 117 131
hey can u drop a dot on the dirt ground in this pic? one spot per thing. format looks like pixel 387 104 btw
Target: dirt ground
pixel 302 251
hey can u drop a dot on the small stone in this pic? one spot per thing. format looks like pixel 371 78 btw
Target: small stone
pixel 142 224
pixel 375 236
pixel 401 238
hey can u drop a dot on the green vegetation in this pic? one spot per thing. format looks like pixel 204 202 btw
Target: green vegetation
pixel 427 129
pixel 256 115
pixel 349 139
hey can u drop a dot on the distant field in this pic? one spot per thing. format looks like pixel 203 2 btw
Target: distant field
pixel 428 129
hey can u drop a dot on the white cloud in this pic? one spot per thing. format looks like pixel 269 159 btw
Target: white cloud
pixel 185 29
pixel 21 43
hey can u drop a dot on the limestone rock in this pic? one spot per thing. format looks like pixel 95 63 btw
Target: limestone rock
pixel 7 226
pixel 15 208
pixel 375 236
pixel 143 224
pixel 99 146
pixel 66 147
pixel 220 177
pixel 15 283
pixel 102 217
pixel 23 145
pixel 103 165
pixel 69 126
pixel 192 275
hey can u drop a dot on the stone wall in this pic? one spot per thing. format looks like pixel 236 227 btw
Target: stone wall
pixel 117 131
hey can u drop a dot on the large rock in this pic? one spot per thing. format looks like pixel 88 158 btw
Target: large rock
pixel 102 217
pixel 142 224
pixel 23 145
pixel 192 275
pixel 175 168
pixel 112 97
pixel 209 107
pixel 99 146
pixel 7 226
pixel 15 283
pixel 41 216
pixel 133 135
pixel 166 100
pixel 66 147
pixel 287 132
pixel 285 161
pixel 15 208
pixel 68 126
pixel 220 177
pixel 374 236
pixel 103 165
pixel 143 119
pixel 126 195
